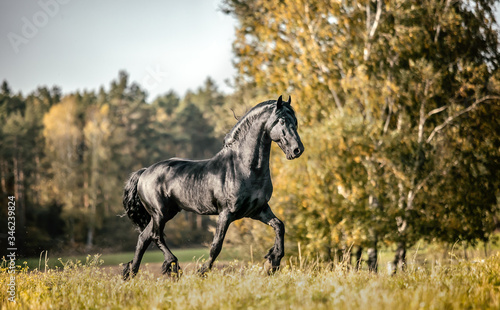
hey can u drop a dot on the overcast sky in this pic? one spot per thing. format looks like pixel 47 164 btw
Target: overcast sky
pixel 82 44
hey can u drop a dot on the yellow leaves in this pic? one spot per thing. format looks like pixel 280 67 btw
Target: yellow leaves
pixel 63 138
pixel 341 145
pixel 104 110
pixel 60 129
pixel 390 88
pixel 98 122
pixel 97 130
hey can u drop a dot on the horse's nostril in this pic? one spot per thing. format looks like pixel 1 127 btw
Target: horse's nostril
pixel 296 151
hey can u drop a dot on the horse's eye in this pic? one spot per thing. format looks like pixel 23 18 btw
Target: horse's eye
pixel 282 121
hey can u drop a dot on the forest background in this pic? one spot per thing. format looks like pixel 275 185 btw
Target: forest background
pixel 398 105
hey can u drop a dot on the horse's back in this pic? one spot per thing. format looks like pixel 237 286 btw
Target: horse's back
pixel 189 184
pixel 205 186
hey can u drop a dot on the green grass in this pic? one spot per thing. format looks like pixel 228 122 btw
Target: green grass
pixel 151 256
pixel 301 284
pixel 186 255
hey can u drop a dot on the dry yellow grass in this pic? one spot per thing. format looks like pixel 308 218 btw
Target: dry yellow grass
pixel 459 285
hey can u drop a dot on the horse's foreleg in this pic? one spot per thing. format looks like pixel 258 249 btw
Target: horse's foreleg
pixel 222 225
pixel 277 252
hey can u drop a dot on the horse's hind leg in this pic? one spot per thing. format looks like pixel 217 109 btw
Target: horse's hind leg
pixel 170 265
pixel 143 242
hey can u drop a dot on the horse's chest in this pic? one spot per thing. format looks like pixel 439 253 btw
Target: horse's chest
pixel 251 196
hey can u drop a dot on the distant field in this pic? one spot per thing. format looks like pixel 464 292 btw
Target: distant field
pixel 151 256
pixel 422 254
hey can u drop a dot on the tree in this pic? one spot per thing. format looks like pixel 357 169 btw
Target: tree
pixel 97 133
pixel 211 102
pixel 21 154
pixel 64 139
pixel 65 160
pixel 406 73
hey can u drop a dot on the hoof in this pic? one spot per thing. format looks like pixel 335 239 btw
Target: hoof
pixel 126 271
pixel 172 270
pixel 270 268
pixel 202 272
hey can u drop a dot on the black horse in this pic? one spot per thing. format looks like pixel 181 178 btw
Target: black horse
pixel 234 184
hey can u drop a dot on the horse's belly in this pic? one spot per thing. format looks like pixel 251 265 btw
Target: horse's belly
pixel 200 209
pixel 196 203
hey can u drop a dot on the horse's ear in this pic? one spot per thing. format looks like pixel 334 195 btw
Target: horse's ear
pixel 279 103
pixel 290 100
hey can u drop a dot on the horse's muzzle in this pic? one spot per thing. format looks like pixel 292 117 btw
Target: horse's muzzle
pixel 296 152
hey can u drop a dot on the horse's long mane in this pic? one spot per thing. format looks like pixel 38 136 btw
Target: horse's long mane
pixel 244 123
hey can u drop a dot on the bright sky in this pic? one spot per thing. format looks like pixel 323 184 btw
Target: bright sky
pixel 82 44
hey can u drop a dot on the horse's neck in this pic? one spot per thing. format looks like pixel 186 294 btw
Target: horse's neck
pixel 254 150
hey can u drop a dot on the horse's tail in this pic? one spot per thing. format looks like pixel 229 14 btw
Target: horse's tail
pixel 132 203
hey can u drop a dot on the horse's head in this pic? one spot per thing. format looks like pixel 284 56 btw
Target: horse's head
pixel 284 129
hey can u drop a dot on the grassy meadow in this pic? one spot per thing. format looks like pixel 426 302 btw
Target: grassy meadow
pixel 428 283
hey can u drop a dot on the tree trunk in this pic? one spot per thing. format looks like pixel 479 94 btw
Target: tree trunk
pixel 358 260
pixel 373 258
pixel 192 221
pixel 71 231
pixel 20 205
pixel 90 237
pixel 199 222
pixel 373 235
pixel 339 256
pixel 3 176
pixel 86 199
pixel 36 197
pixel 400 257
